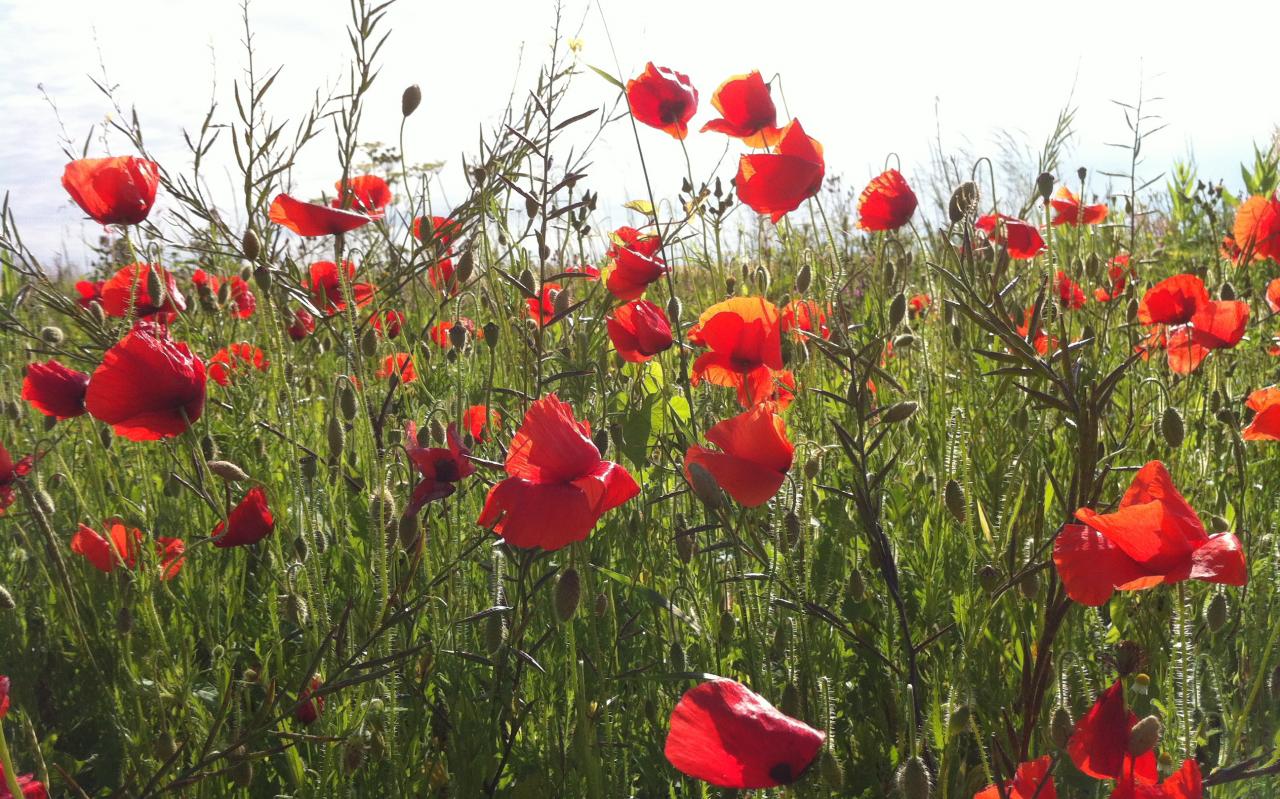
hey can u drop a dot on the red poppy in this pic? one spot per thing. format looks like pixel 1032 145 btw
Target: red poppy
pixel 1069 292
pixel 1229 249
pixel 227 362
pixel 325 285
pixel 440 229
pixel 399 364
pixel 664 99
pixel 1119 272
pixel 303 325
pixel 55 390
pixel 639 330
pixel 388 323
pixel 754 458
pixel 147 386
pixel 725 734
pixel 1099 746
pixel 128 288
pixel 4 696
pixel 775 183
pixel 248 523
pixel 440 331
pixel 1185 783
pixel 9 474
pixel 1265 403
pixel 311 705
pixel 887 202
pixel 476 418
pixel 1043 342
pixel 1172 301
pixel 919 304
pixel 27 783
pixel 440 275
pixel 441 467
pixel 369 194
pixel 1153 537
pixel 243 302
pixel 746 110
pixel 1020 238
pixel 1273 295
pixel 1190 324
pixel 587 271
pixel 634 262
pixel 544 310
pixel 114 191
pixel 805 316
pixel 119 547
pixel 1032 780
pixel 558 486
pixel 310 219
pixel 744 339
pixel 1257 227
pixel 90 291
pixel 1069 211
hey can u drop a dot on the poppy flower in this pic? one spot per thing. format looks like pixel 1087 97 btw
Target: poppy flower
pixel 55 390
pixel 248 523
pixel 1119 272
pixel 919 304
pixel 1257 227
pixel 310 705
pixel 440 275
pixel 325 286
pixel 243 302
pixel 441 467
pixel 440 331
pixel 776 182
pixel 754 458
pixel 9 474
pixel 369 194
pixel 227 362
pixel 1265 426
pixel 1153 537
pixel 90 291
pixel 543 310
pixel 746 110
pixel 887 203
pixel 1185 783
pixel 587 271
pixel 558 486
pixel 1069 292
pixel 388 323
pixel 119 547
pixel 303 325
pixel 805 316
pixel 664 99
pixel 438 229
pixel 1099 745
pixel 399 364
pixel 27 783
pixel 1068 209
pixel 128 289
pixel 476 419
pixel 1020 238
pixel 1042 341
pixel 1273 295
pixel 311 219
pixel 113 191
pixel 1032 780
pixel 725 734
pixel 147 387
pixel 639 330
pixel 1191 324
pixel 744 340
pixel 634 262
pixel 4 696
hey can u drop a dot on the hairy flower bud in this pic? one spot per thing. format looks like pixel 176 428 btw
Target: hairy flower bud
pixel 227 470
pixel 568 592
pixel 410 100
pixel 1144 736
pixel 953 495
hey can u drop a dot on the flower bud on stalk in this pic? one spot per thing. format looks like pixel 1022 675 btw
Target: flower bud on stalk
pixel 410 100
pixel 1144 735
pixel 567 594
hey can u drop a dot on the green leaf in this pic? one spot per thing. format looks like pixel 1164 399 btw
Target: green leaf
pixel 608 77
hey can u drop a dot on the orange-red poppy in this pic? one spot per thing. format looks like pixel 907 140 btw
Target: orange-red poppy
pixel 777 182
pixel 441 467
pixel 1273 295
pixel 370 194
pixel 558 485
pixel 147 387
pixel 303 325
pixel 113 191
pixel 1099 745
pixel 128 289
pixel 325 285
pixel 1069 292
pixel 249 522
pixel 639 330
pixel 310 219
pixel 887 203
pixel 398 364
pixel 10 473
pixel 634 263
pixel 440 331
pixel 543 310
pixel 1020 238
pixel 743 336
pixel 119 548
pixel 228 362
pixel 1068 210
pixel 746 110
pixel 664 99
pixel 477 420
pixel 1265 425
pixel 805 316
pixel 1257 227
pixel 55 390
pixel 242 301
pixel 1153 537
pixel 1119 273
pixel 919 304
pixel 1042 341
pixel 754 458
pixel 388 323
pixel 1188 323
pixel 1185 783
pixel 1031 780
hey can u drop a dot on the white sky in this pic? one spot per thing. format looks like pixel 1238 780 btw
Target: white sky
pixel 865 79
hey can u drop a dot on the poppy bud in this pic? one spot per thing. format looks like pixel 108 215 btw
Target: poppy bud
pixel 964 201
pixel 791 700
pixel 1144 735
pixel 812 467
pixel 491 332
pixel 1030 585
pixel 989 578
pixel 407 530
pixel 44 500
pixel 953 495
pixel 762 279
pixel 295 609
pixel 568 592
pixel 673 308
pixel 957 338
pixel 1228 291
pixel 1092 265
pixel 124 620
pixel 705 487
pixel 466 265
pixel 1228 417
pixel 601 440
pixel 249 246
pixel 208 447
pixel 227 470
pixel 346 399
pixel 1061 727
pixel 52 335
pixel 224 293
pixel 262 276
pixel 1216 614
pixel 241 767
pixel 1044 185
pixel 155 286
pixel 352 755
pixel 561 302
pixel 526 280
pixel 369 342
pixel 1082 173
pixel 728 624
pixel 531 206
pixel 899 412
pixel 791 528
pixel 856 588
pixel 778 649
pixel 410 100
pixel 457 336
pixel 337 437
pixel 1219 524
pixel 301 548
pixel 903 341
pixel 730 286
pixel 677 657
pixel 914 780
pixel 804 278
pixel 6 599
pixel 495 633
pixel 898 310
pixel 308 466
pixel 832 772
pixel 684 546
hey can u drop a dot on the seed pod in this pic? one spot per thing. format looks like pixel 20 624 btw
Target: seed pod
pixel 249 245
pixel 856 588
pixel 227 470
pixel 832 772
pixel 804 278
pixel 1061 727
pixel 262 277
pixel 1029 585
pixel 954 497
pixel 964 201
pixel 1144 736
pixel 458 336
pixel 6 599
pixel 52 335
pixel 369 342
pixel 1171 427
pixel 491 332
pixel 791 528
pixel 899 412
pixel 466 265
pixel 526 280
pixel 705 487
pixel 568 592
pixel 1044 185
pixel 495 633
pixel 410 100
pixel 1216 614
pixel 989 578
pixel 337 437
pixel 914 780
pixel 898 309
pixel 346 399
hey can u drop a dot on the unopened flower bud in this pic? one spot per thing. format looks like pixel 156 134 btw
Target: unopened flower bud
pixel 227 470
pixel 898 309
pixel 1171 427
pixel 1144 736
pixel 1044 185
pixel 899 412
pixel 953 495
pixel 964 201
pixel 914 780
pixel 1216 614
pixel 568 592
pixel 704 486
pixel 410 100
pixel 804 278
pixel 52 335
pixel 249 246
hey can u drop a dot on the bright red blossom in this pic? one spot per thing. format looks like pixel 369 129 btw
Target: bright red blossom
pixel 887 203
pixel 325 285
pixel 128 290
pixel 754 458
pixel 664 99
pixel 113 191
pixel 1032 780
pixel 1188 323
pixel 1069 292
pixel 400 365
pixel 227 362
pixel 55 390
pixel 635 263
pixel 119 548
pixel 1265 426
pixel 388 323
pixel 919 304
pixel 243 302
pixel 310 704
pixel 558 485
pixel 1119 273
pixel 639 330
pixel 777 182
pixel 747 111
pixel 743 336
pixel 147 386
pixel 725 734
pixel 805 316
pixel 1069 211
pixel 1099 746
pixel 90 291
pixel 369 194
pixel 310 219
pixel 303 325
pixel 1257 228
pixel 441 467
pixel 248 523
pixel 476 419
pixel 1185 783
pixel 543 310
pixel 1020 238
pixel 27 783
pixel 10 472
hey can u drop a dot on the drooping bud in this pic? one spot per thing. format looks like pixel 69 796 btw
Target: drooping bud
pixel 491 333
pixel 964 201
pixel 1216 614
pixel 227 470
pixel 458 336
pixel 601 440
pixel 568 592
pixel 856 588
pixel 410 100
pixel 953 495
pixel 346 399
pixel 831 770
pixel 1228 291
pixel 1144 736
pixel 155 286
pixel 369 342
pixel 804 278
pixel 337 437
pixel 673 309
pixel 705 487
pixel 989 578
pixel 728 625
pixel 1171 427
